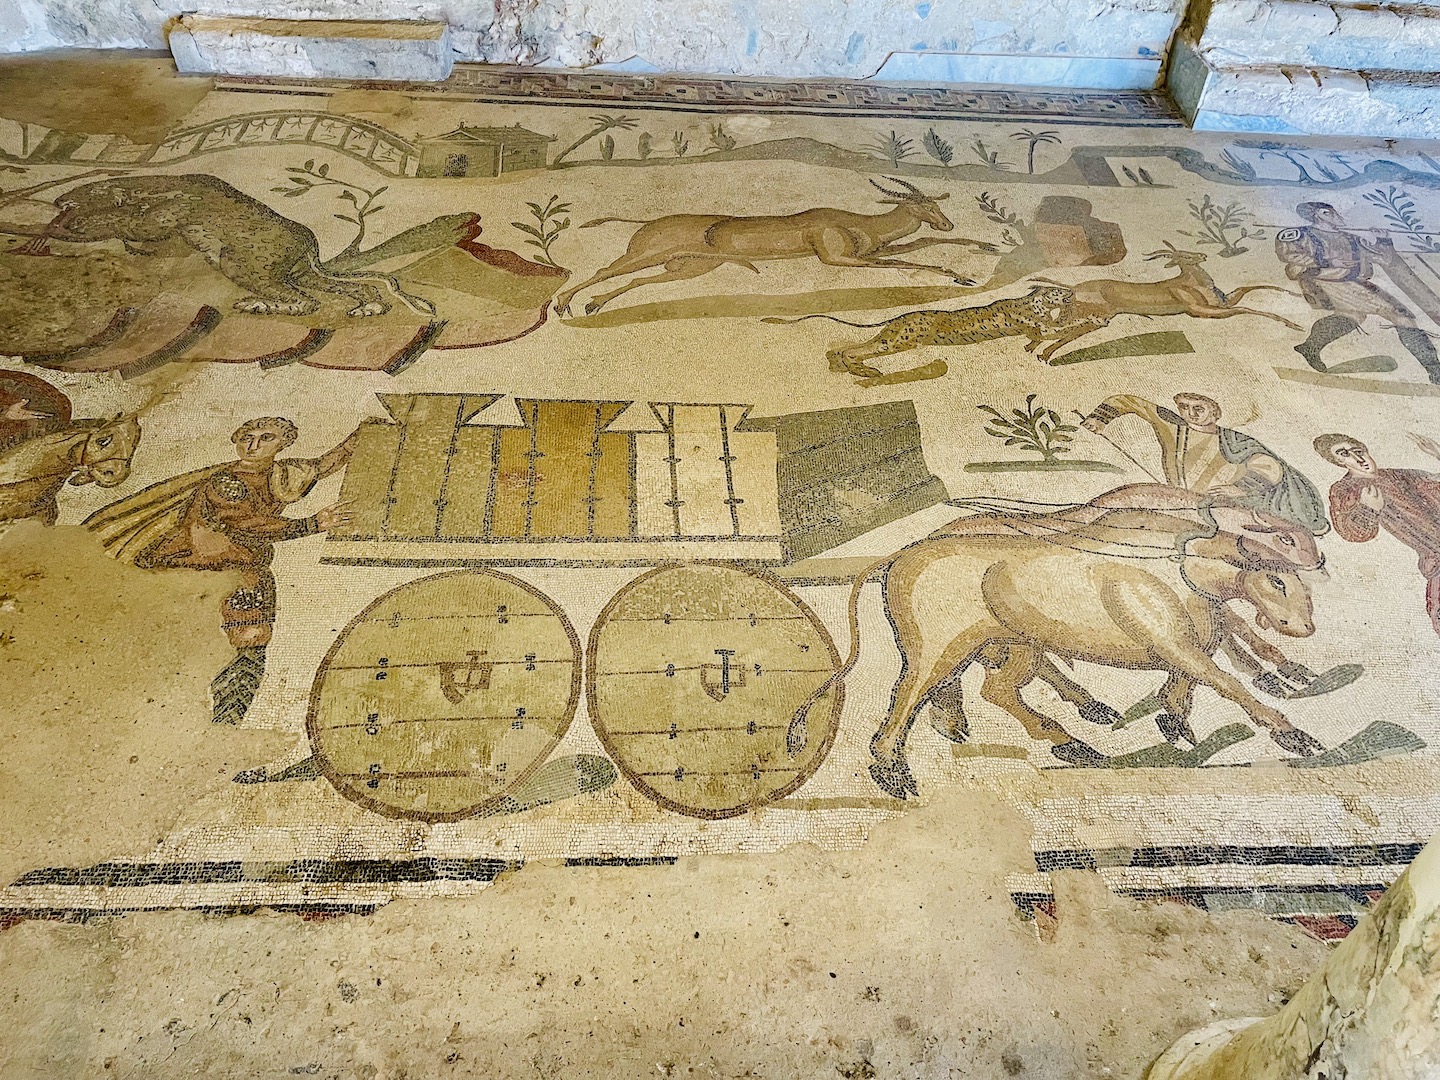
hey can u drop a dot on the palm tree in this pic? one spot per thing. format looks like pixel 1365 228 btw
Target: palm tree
pixel 1034 139
pixel 602 125
pixel 892 147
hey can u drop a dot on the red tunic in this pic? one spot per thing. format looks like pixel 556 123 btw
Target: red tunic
pixel 1411 514
pixel 235 519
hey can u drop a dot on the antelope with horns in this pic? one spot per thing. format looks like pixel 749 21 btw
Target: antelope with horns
pixel 689 245
pixel 1190 291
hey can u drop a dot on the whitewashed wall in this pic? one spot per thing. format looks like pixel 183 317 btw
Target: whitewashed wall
pixel 1103 43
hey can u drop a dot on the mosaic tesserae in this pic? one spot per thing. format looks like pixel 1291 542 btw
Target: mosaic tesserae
pixel 860 579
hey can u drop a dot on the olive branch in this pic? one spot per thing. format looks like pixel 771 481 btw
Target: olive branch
pixel 309 177
pixel 550 221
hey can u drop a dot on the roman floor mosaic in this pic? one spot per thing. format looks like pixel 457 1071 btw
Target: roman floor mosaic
pixel 608 471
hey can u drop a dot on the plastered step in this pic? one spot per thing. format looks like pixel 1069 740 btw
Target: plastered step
pixel 1283 99
pixel 312 48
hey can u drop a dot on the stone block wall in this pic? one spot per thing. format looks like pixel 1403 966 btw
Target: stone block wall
pixel 1347 67
pixel 1312 67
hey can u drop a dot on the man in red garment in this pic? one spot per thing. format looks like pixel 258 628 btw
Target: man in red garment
pixel 229 517
pixel 1405 502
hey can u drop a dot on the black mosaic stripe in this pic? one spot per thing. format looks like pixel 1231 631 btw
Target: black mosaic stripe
pixel 1201 896
pixel 10 916
pixel 1211 854
pixel 301 871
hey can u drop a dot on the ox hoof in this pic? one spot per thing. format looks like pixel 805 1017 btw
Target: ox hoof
pixel 1298 742
pixel 1076 752
pixel 893 778
pixel 593 306
pixel 1097 712
pixel 1272 684
pixel 956 729
pixel 1297 673
pixel 1175 728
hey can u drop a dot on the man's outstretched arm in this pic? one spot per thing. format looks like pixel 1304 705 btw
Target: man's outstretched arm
pixel 335 459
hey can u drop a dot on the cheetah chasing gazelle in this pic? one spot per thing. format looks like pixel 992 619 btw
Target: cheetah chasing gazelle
pixel 1050 312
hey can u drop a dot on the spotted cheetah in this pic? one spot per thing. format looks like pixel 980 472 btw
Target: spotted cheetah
pixel 1037 316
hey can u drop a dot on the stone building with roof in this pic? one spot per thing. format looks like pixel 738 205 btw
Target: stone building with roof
pixel 483 151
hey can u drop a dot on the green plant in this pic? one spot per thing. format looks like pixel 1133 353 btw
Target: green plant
pixel 1241 168
pixel 1034 139
pixel 892 147
pixel 602 125
pixel 311 176
pixel 1341 159
pixel 645 145
pixel 1012 222
pixel 1399 209
pixel 1294 155
pixel 680 144
pixel 989 157
pixel 1035 429
pixel 607 147
pixel 938 148
pixel 1216 223
pixel 721 139
pixel 550 221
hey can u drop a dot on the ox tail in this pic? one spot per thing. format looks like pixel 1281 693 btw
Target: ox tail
pixel 608 220
pixel 796 736
pixel 414 303
pixel 844 322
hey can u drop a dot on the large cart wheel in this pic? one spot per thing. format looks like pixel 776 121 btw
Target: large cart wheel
pixel 697 675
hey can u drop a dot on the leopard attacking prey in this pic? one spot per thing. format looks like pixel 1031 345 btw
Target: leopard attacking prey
pixel 275 259
pixel 1043 313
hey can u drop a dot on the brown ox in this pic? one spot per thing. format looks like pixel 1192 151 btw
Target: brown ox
pixel 1007 602
pixel 689 245
pixel 1162 518
pixel 1153 521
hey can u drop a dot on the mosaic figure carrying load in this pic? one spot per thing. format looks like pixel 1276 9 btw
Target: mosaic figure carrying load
pixel 229 517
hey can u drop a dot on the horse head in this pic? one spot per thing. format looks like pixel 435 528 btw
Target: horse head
pixel 1282 601
pixel 104 457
